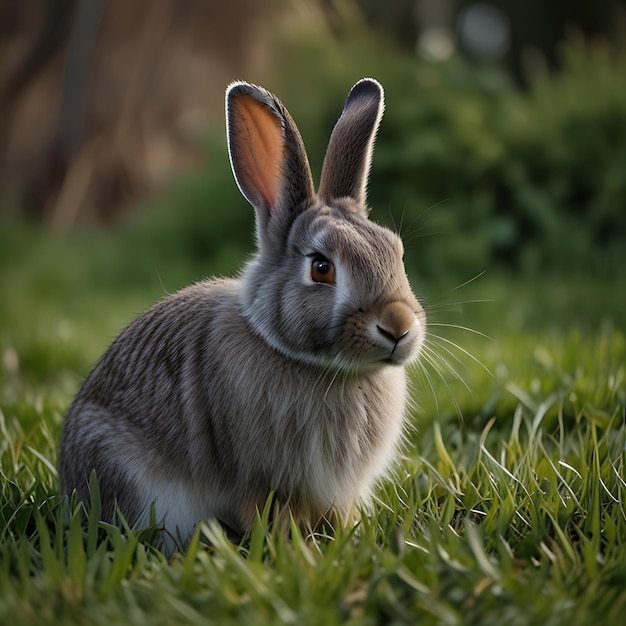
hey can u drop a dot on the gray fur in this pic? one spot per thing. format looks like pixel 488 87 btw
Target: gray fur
pixel 231 389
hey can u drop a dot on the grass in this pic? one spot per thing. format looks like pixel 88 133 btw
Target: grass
pixel 508 507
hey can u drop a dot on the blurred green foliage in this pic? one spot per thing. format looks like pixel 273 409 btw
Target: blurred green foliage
pixel 529 180
pixel 473 172
pixel 476 174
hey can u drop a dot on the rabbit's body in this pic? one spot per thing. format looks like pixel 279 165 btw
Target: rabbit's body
pixel 299 435
pixel 288 379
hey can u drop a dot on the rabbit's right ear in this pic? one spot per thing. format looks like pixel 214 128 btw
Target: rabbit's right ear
pixel 267 157
pixel 349 153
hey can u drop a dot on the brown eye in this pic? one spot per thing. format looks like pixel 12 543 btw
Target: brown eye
pixel 322 270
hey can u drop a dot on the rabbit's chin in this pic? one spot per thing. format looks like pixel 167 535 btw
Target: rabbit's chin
pixel 369 360
pixel 349 364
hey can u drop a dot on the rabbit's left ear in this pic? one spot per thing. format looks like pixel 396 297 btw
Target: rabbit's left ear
pixel 349 154
pixel 267 157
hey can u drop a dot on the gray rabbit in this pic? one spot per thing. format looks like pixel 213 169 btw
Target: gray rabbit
pixel 290 378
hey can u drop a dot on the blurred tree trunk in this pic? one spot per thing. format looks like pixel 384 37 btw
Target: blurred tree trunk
pixel 69 136
pixel 102 100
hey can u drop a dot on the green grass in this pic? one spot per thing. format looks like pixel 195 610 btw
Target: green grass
pixel 508 507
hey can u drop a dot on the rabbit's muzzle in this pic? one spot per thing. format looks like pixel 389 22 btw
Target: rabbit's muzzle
pixel 398 332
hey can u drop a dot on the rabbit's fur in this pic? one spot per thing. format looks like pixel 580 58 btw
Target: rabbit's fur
pixel 290 378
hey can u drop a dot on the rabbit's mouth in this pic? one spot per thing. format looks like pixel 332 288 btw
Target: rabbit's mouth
pixel 396 336
pixel 396 359
pixel 404 351
pixel 400 356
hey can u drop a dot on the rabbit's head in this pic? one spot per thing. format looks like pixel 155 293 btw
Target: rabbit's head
pixel 327 286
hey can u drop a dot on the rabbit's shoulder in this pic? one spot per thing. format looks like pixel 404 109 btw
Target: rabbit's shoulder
pixel 167 334
pixel 195 304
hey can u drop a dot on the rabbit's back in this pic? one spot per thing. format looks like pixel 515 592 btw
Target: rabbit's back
pixel 136 417
pixel 191 410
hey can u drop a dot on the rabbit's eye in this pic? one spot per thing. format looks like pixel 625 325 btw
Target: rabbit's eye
pixel 322 270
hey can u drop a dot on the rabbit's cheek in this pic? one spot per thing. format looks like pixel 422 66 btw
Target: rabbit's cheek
pixel 357 346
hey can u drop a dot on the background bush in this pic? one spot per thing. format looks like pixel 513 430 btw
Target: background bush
pixel 474 172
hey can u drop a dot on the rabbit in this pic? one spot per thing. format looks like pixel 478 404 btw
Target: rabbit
pixel 287 380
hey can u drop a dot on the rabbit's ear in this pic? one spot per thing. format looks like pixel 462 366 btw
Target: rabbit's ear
pixel 349 152
pixel 267 155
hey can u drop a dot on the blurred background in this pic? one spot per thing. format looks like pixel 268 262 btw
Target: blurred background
pixel 502 149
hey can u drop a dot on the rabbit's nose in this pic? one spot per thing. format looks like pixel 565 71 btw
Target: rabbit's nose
pixel 395 321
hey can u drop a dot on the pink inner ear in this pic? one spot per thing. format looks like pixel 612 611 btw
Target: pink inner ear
pixel 259 149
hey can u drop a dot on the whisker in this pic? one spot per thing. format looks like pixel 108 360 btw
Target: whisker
pixel 432 345
pixel 406 233
pixel 439 303
pixel 421 369
pixel 467 282
pixel 467 353
pixel 432 354
pixel 424 230
pixel 409 239
pixel 397 229
pixel 440 306
pixel 460 327
pixel 427 358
